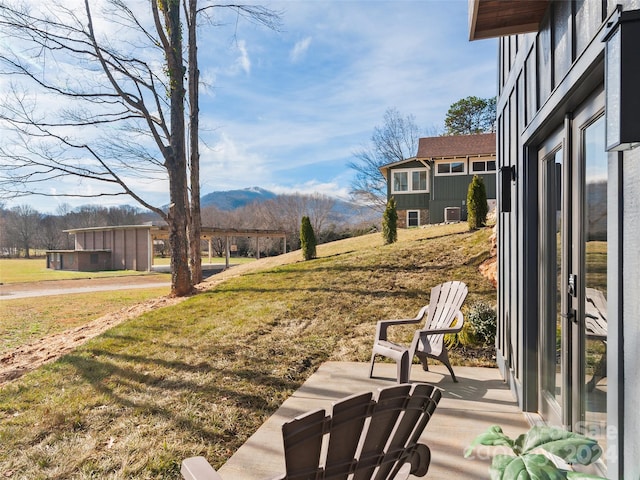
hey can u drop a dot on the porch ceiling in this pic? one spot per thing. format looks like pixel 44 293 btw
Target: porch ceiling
pixel 497 18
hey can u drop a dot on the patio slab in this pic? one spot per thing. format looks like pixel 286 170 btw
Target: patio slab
pixel 467 408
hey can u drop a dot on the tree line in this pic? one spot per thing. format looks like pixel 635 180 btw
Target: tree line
pixel 24 230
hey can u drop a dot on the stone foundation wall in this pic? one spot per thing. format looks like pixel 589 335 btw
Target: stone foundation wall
pixel 402 217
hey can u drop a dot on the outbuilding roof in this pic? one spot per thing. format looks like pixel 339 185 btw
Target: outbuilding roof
pixel 457 146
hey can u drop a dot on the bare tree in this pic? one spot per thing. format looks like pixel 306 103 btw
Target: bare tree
pixel 50 235
pixel 396 140
pixel 123 122
pixel 22 227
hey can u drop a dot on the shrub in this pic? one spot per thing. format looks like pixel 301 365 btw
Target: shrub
pixel 483 320
pixel 465 337
pixel 390 222
pixel 307 239
pixel 477 207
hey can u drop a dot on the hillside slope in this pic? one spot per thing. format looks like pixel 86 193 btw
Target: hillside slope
pixel 200 376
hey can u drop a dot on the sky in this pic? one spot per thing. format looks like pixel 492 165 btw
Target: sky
pixel 286 110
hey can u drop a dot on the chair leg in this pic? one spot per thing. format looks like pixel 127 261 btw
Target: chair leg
pixel 444 358
pixel 403 367
pixel 425 362
pixel 373 359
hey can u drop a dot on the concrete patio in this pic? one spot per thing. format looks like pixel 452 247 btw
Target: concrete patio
pixel 467 408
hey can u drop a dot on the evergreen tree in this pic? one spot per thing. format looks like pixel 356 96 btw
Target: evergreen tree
pixel 390 222
pixel 477 207
pixel 307 239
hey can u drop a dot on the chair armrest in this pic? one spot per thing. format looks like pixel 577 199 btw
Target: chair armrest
pixel 383 325
pixel 197 468
pixel 436 331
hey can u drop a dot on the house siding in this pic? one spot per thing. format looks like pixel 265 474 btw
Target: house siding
pixel 543 78
pixel 451 191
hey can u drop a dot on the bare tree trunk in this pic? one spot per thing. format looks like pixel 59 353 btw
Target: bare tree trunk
pixel 176 161
pixel 194 228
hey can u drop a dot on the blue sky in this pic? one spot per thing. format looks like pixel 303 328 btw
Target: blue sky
pixel 287 110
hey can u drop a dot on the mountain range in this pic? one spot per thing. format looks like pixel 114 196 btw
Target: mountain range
pixel 232 199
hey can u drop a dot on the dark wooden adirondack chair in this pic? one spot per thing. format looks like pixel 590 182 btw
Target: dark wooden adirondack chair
pixel 443 316
pixel 385 447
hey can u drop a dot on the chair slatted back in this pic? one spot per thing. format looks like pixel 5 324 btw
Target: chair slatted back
pixel 445 301
pixel 374 449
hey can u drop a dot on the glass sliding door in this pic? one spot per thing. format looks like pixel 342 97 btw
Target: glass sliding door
pixel 593 323
pixel 589 268
pixel 552 324
pixel 572 266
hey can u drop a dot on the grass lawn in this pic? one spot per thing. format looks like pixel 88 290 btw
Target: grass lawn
pixel 205 259
pixel 17 270
pixel 27 319
pixel 200 377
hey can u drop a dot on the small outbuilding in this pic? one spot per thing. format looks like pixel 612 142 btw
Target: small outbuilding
pixel 130 247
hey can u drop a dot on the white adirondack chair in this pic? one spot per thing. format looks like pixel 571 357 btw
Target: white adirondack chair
pixel 443 316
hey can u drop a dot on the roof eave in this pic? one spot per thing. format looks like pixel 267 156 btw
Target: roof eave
pixel 498 18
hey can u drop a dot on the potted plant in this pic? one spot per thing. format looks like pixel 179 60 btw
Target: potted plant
pixel 525 459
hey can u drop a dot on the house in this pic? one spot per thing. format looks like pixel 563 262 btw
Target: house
pixel 569 215
pixel 432 186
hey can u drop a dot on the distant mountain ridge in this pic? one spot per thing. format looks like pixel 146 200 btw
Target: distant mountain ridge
pixel 232 199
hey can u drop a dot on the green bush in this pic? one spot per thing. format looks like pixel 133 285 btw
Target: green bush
pixel 390 222
pixel 465 337
pixel 483 320
pixel 477 207
pixel 307 239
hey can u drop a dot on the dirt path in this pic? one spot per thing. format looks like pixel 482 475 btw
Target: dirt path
pixel 28 357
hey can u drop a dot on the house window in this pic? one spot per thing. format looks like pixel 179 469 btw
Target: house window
pixel 93 259
pixel 409 181
pixel 400 181
pixel 480 166
pixel 450 168
pixel 413 218
pixel 419 180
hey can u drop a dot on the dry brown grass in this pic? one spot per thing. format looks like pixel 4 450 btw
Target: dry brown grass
pixel 201 376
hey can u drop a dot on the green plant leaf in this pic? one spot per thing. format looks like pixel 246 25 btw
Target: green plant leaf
pixel 571 447
pixel 498 465
pixel 583 476
pixel 492 437
pixel 527 467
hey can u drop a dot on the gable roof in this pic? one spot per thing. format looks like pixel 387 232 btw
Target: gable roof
pixel 457 146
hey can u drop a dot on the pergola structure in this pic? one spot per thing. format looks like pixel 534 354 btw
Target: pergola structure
pixel 208 233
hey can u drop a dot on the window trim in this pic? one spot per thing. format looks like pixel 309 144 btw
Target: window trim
pixel 413 211
pixel 449 162
pixel 486 162
pixel 409 172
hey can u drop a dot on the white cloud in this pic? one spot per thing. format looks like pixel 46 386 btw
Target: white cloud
pixel 330 189
pixel 243 62
pixel 299 49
